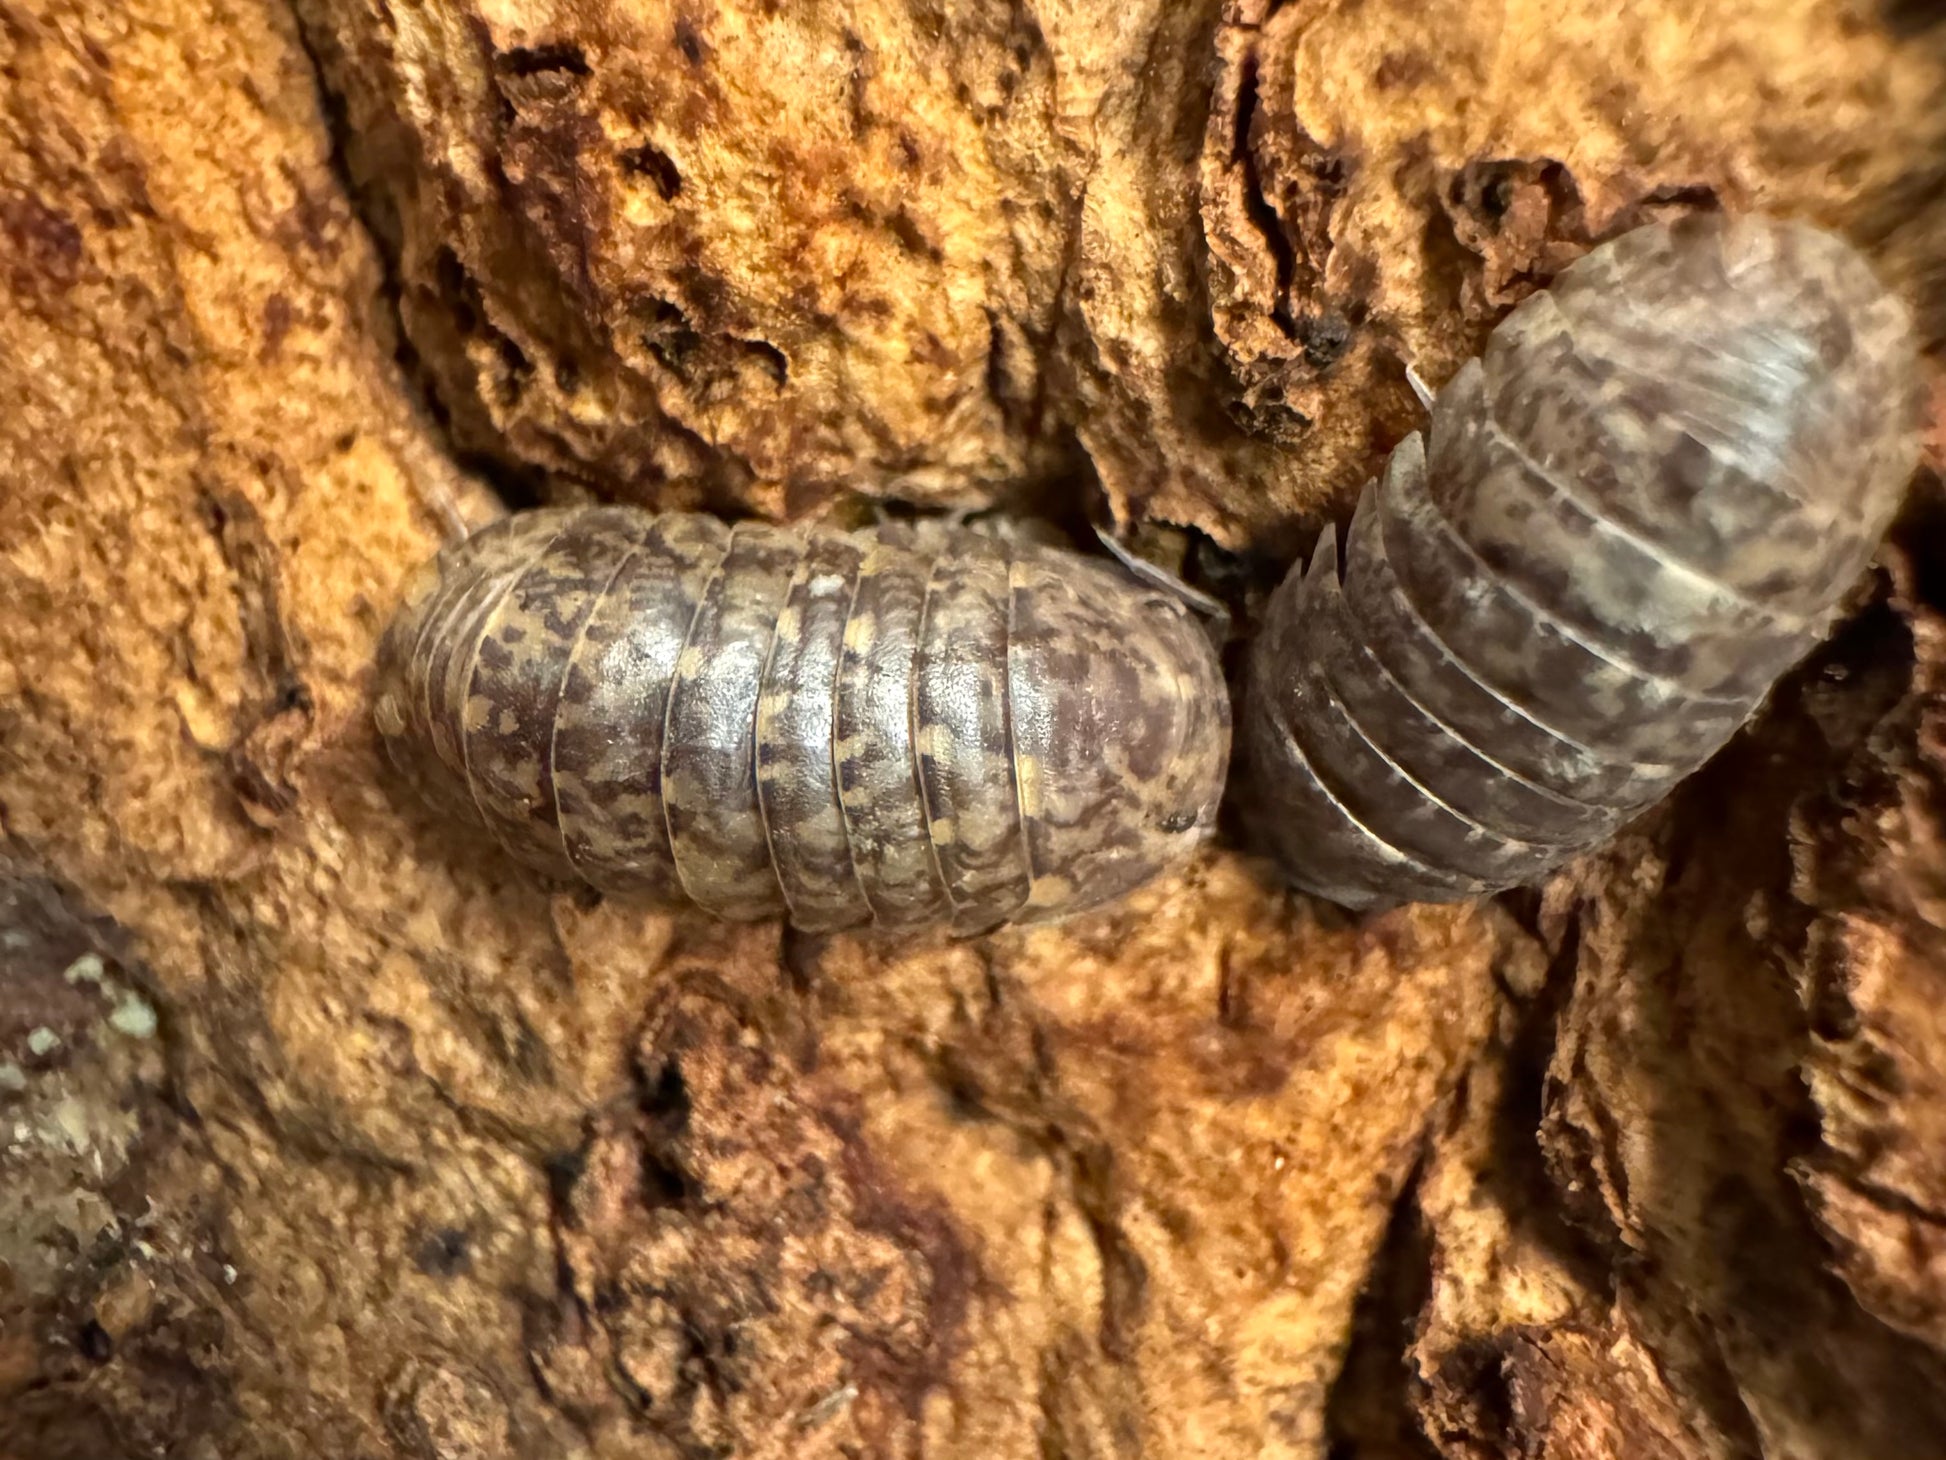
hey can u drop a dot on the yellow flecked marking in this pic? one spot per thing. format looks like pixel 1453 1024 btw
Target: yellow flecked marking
pixel 1028 769
pixel 689 663
pixel 860 633
pixel 943 832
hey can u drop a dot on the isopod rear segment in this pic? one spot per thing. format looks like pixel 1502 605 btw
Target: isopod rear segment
pixel 843 729
pixel 1636 510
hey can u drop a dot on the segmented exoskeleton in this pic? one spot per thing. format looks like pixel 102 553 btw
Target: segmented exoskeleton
pixel 841 728
pixel 1639 507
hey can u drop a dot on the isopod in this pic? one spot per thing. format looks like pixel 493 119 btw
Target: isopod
pixel 843 729
pixel 1641 505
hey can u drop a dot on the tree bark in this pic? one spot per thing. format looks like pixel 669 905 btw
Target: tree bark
pixel 324 1129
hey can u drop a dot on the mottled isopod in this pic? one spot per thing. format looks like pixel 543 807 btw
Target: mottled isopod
pixel 1634 512
pixel 841 728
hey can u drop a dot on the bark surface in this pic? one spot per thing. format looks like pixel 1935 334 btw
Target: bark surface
pixel 325 1130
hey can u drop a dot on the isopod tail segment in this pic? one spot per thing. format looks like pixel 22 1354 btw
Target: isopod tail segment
pixel 844 729
pixel 1637 509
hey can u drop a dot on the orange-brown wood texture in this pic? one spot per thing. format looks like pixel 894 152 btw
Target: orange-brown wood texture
pixel 324 1129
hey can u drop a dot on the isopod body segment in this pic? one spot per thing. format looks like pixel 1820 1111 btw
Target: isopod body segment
pixel 843 729
pixel 1625 521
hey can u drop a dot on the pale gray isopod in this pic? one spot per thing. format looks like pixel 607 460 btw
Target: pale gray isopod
pixel 1635 511
pixel 840 728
